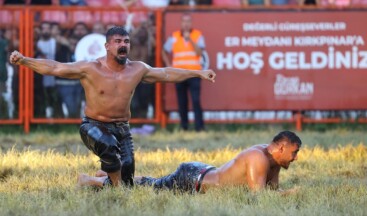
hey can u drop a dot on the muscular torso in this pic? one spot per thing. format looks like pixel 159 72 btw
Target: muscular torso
pixel 235 172
pixel 109 93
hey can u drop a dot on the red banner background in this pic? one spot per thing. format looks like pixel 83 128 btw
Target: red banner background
pixel 240 45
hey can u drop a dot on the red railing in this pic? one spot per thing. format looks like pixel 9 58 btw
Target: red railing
pixel 23 19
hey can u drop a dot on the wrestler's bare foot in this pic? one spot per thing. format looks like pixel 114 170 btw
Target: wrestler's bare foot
pixel 101 173
pixel 83 180
pixel 86 180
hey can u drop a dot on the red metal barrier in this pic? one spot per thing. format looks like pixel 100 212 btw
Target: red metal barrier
pixel 24 18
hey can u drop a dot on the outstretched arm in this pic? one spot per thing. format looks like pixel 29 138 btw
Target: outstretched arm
pixel 170 74
pixel 49 67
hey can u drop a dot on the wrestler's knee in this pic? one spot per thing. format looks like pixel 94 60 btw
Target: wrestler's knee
pixel 110 158
pixel 88 139
pixel 104 145
pixel 95 139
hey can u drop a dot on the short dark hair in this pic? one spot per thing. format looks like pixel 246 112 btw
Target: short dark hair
pixel 116 30
pixel 81 24
pixel 289 136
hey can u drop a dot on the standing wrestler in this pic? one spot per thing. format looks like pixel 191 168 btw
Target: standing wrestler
pixel 109 83
pixel 257 167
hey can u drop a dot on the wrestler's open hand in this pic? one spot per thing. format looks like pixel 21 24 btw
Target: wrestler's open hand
pixel 16 57
pixel 208 75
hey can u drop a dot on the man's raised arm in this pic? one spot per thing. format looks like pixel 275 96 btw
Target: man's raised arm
pixel 170 74
pixel 49 67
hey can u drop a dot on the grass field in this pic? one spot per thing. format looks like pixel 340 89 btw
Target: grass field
pixel 38 175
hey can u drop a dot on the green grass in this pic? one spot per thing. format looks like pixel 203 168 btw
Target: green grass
pixel 38 175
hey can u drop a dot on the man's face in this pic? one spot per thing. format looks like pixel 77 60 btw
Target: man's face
pixel 119 47
pixel 55 30
pixel 98 28
pixel 46 31
pixel 288 153
pixel 186 23
pixel 80 31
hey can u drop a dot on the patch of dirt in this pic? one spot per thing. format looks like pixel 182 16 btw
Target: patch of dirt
pixel 5 173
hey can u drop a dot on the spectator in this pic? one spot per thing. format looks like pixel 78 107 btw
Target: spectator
pixel 3 74
pixel 143 95
pixel 308 2
pixel 12 83
pixel 104 3
pixel 255 2
pixel 57 33
pixel 38 88
pixel 69 91
pixel 235 3
pixel 186 46
pixel 337 3
pixel 139 43
pixel 191 2
pixel 80 30
pixel 98 27
pixel 155 4
pixel 282 2
pixel 73 2
pixel 110 25
pixel 44 2
pixel 177 2
pixel 46 46
pixel 115 16
pixel 14 2
pixel 204 2
pixel 150 25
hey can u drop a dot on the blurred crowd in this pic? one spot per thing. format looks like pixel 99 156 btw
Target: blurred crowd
pixel 166 3
pixel 56 38
pixel 64 98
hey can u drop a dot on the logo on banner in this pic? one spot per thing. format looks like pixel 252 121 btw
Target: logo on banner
pixel 292 88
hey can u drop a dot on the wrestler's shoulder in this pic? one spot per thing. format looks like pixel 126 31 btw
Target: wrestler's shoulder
pixel 256 151
pixel 137 63
pixel 90 63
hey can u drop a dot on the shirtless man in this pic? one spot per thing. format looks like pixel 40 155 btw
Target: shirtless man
pixel 257 168
pixel 109 83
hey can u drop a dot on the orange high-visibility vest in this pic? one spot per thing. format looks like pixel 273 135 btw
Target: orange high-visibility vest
pixel 184 55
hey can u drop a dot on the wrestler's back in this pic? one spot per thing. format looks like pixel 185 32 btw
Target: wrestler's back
pixel 235 171
pixel 109 93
